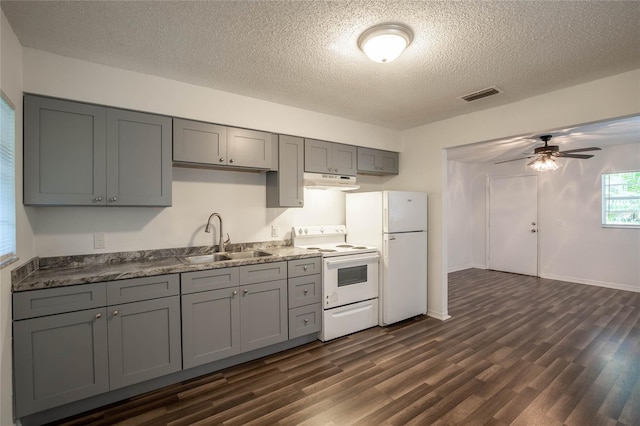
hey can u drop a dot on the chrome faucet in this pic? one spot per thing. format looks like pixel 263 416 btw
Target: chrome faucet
pixel 207 229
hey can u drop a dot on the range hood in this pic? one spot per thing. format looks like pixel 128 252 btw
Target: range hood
pixel 332 182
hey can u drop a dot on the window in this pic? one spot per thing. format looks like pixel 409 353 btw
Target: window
pixel 621 199
pixel 7 183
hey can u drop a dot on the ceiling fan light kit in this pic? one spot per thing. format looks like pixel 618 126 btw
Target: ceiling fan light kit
pixel 546 155
pixel 384 43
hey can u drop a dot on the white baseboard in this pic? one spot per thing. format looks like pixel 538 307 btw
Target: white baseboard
pixel 479 266
pixel 459 268
pixel 605 284
pixel 438 315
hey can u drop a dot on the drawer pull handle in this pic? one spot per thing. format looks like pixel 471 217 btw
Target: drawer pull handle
pixel 306 291
pixel 246 291
pixel 306 321
pixel 98 316
pixel 304 268
pixel 115 313
pixel 235 292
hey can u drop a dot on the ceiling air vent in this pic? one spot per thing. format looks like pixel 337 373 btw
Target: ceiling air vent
pixel 489 91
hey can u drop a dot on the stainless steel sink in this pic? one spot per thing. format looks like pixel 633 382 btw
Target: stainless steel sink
pixel 247 254
pixel 205 258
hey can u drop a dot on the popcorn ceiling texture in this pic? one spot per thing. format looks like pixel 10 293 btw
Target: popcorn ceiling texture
pixel 305 54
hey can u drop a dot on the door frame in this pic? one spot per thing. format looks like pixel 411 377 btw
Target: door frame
pixel 488 219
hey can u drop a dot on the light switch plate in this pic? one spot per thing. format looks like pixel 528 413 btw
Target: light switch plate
pixel 275 230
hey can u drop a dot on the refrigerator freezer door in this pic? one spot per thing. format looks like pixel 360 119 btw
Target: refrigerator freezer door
pixel 404 211
pixel 404 277
pixel 364 218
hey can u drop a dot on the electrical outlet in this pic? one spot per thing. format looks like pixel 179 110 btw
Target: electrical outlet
pixel 98 241
pixel 275 230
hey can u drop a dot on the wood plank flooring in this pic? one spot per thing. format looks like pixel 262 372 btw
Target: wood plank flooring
pixel 519 350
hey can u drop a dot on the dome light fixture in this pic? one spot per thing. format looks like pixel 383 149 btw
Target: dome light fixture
pixel 544 164
pixel 384 43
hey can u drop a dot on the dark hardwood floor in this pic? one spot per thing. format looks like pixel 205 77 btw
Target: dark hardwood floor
pixel 519 350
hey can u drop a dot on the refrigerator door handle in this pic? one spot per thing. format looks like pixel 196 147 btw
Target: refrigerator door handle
pixel 392 238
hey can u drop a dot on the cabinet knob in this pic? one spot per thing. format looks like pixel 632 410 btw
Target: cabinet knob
pixel 113 199
pixel 246 291
pixel 97 199
pixel 305 291
pixel 115 313
pixel 235 292
pixel 98 316
pixel 304 268
pixel 306 321
pixel 221 159
pixel 231 160
pixel 300 202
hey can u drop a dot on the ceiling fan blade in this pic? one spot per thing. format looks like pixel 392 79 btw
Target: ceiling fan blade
pixel 583 156
pixel 593 148
pixel 515 159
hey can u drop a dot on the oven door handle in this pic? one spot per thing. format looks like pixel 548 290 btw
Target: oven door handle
pixel 354 259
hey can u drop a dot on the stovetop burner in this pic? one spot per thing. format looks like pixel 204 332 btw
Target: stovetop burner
pixel 327 250
pixel 344 245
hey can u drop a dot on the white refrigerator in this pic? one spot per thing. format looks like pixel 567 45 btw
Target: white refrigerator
pixel 396 223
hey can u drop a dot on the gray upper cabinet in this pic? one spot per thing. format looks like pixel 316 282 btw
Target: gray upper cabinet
pixel 201 143
pixel 249 148
pixel 376 161
pixel 285 187
pixel 197 142
pixel 329 157
pixel 81 154
pixel 59 359
pixel 138 159
pixel 64 152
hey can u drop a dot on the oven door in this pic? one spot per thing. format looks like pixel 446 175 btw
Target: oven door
pixel 349 279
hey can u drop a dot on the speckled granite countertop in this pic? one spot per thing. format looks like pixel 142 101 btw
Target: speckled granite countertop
pixel 72 270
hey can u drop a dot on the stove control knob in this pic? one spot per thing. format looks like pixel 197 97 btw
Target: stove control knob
pixel 299 231
pixel 322 230
pixel 306 231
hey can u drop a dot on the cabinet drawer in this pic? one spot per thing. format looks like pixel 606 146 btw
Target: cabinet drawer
pixel 302 267
pixel 214 279
pixel 49 301
pixel 305 320
pixel 136 289
pixel 263 272
pixel 305 290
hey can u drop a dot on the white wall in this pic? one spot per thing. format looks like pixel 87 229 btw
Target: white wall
pixel 572 243
pixel 238 196
pixel 11 85
pixel 423 162
pixel 461 216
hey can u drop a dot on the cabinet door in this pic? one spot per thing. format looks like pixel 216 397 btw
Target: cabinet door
pixel 318 156
pixel 210 326
pixel 285 187
pixel 197 142
pixel 263 314
pixel 138 159
pixel 389 162
pixel 64 152
pixel 345 159
pixel 144 340
pixel 249 148
pixel 59 359
pixel 367 160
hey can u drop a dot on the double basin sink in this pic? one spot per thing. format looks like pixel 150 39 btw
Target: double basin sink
pixel 218 257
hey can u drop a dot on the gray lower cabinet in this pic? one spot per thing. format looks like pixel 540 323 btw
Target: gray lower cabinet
pixel 377 162
pixel 263 314
pixel 285 186
pixel 305 296
pixel 59 359
pixel 144 340
pixel 210 326
pixel 74 342
pixel 330 157
pixel 199 143
pixel 83 154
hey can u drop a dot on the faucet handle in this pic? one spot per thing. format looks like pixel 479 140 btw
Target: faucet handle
pixel 228 239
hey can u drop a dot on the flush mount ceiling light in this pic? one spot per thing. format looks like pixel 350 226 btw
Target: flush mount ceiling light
pixel 384 43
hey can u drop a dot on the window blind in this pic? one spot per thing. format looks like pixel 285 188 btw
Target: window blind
pixel 621 199
pixel 7 182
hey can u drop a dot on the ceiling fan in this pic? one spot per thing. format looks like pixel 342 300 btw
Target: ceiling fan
pixel 545 155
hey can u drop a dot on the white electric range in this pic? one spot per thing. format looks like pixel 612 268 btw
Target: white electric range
pixel 349 279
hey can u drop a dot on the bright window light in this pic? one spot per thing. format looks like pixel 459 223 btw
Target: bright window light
pixel 621 199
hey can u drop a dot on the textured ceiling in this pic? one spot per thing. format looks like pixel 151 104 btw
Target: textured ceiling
pixel 305 54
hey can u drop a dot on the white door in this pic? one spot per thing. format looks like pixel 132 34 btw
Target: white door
pixel 404 280
pixel 404 211
pixel 513 224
